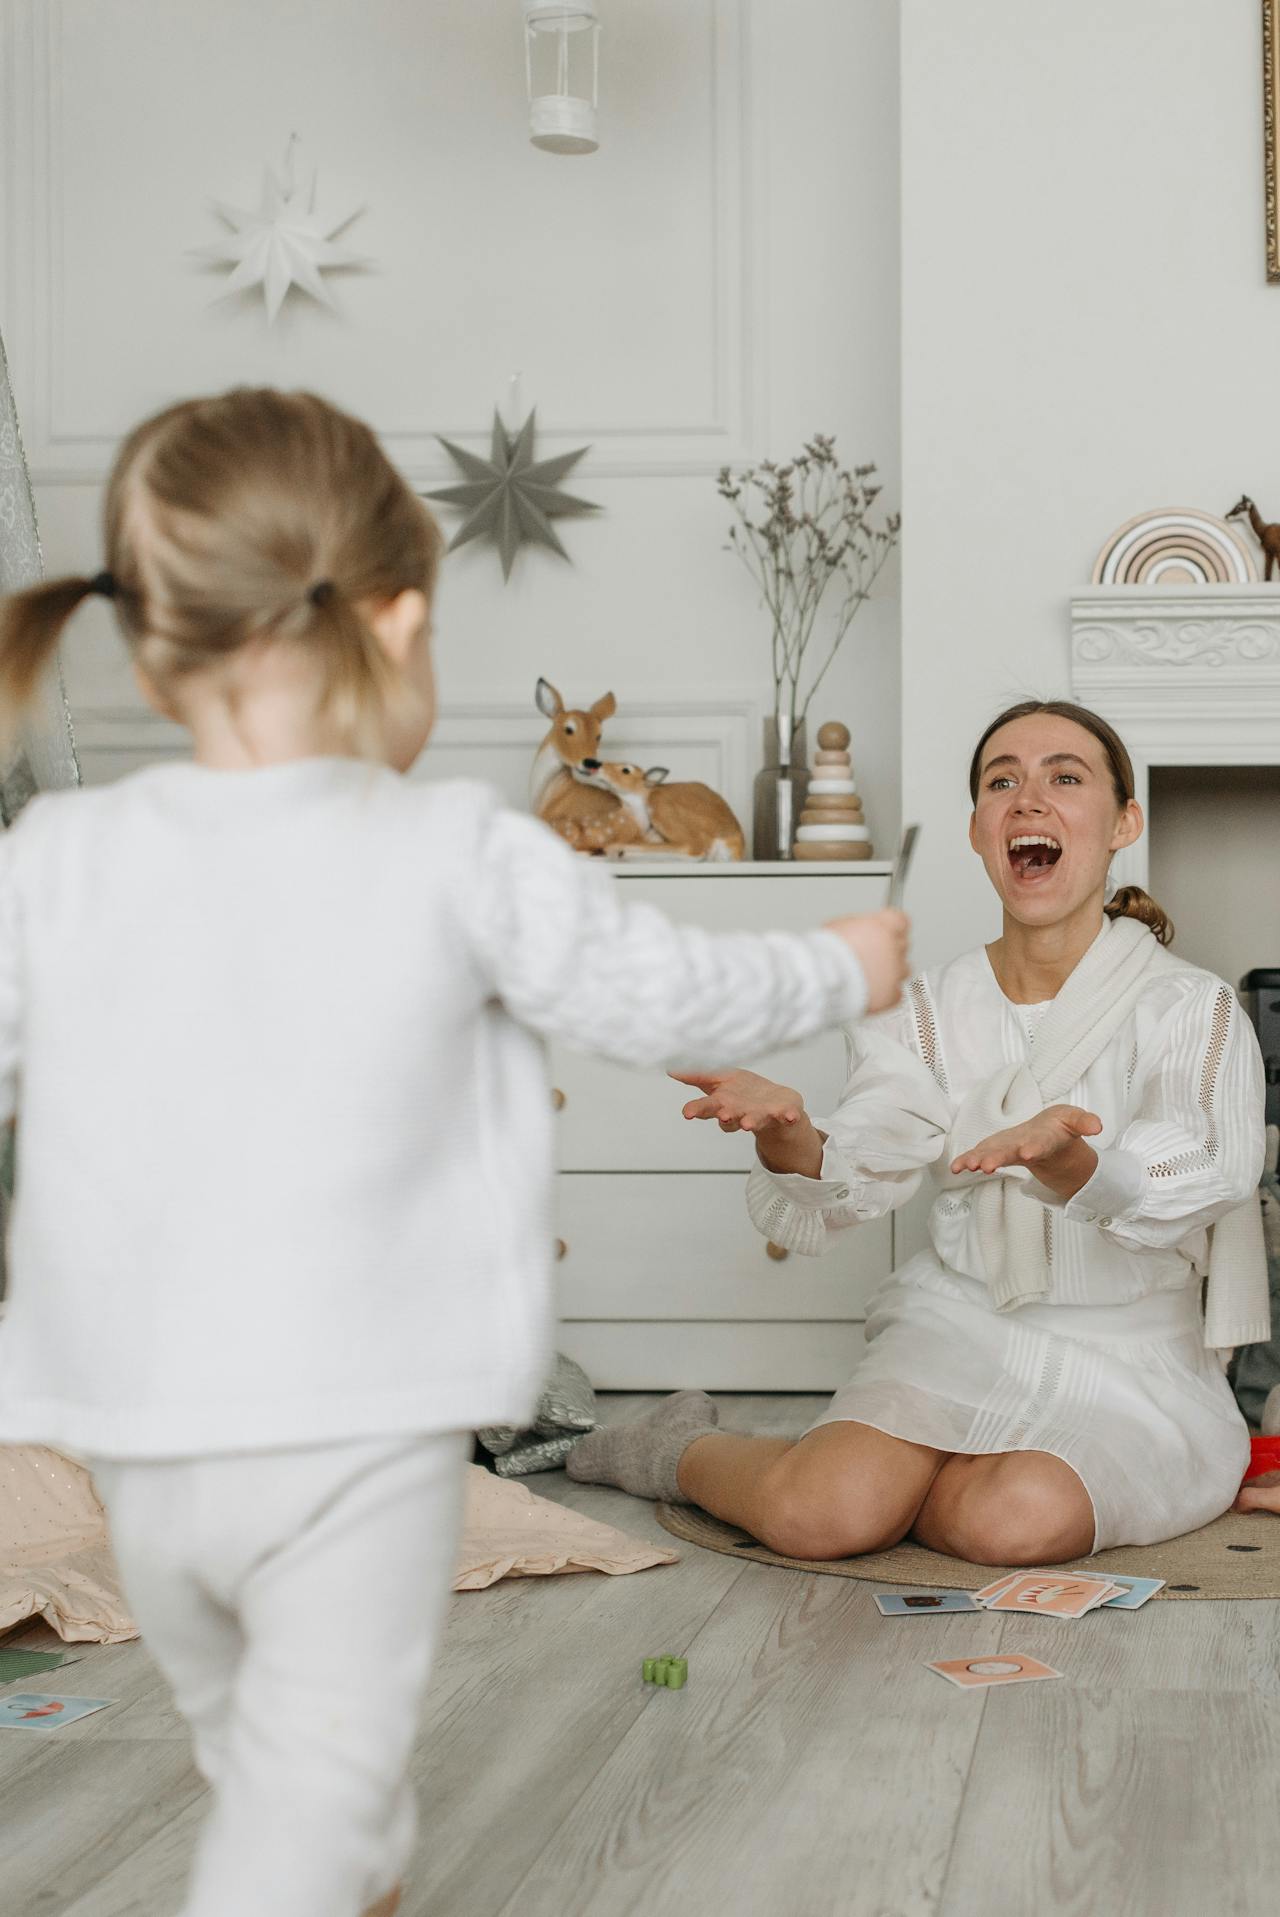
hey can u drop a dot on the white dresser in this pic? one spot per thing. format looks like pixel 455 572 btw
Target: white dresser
pixel 662 1279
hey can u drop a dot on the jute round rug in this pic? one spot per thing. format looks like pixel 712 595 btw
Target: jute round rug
pixel 1238 1556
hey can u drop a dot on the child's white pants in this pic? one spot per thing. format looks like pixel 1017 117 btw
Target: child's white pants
pixel 293 1600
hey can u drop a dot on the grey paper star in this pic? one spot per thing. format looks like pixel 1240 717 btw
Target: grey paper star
pixel 511 496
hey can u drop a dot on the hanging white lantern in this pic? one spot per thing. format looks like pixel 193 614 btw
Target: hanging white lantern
pixel 562 72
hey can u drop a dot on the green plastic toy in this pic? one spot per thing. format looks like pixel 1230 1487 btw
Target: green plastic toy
pixel 673 1672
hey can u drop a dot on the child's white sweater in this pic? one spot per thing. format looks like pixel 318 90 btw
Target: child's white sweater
pixel 285 1142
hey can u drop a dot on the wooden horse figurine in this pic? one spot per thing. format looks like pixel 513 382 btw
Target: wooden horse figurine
pixel 1268 536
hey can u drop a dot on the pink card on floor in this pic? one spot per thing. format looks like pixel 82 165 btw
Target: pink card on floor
pixel 1052 1594
pixel 989 1591
pixel 1002 1667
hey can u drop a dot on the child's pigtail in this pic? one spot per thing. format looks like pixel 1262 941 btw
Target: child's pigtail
pixel 31 625
pixel 361 685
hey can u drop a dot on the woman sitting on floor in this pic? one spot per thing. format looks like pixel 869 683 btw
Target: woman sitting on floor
pixel 1040 1384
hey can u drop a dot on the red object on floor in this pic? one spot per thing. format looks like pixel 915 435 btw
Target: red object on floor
pixel 1266 1457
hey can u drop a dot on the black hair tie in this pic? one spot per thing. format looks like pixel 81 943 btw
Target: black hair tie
pixel 321 593
pixel 103 583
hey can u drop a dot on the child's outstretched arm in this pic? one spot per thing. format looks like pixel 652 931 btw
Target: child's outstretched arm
pixel 558 944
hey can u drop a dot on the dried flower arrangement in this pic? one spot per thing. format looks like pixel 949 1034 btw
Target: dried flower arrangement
pixel 801 529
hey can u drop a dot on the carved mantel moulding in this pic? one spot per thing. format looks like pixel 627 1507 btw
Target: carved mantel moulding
pixel 1143 655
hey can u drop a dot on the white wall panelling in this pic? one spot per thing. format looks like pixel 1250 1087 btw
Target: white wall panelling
pixel 704 736
pixel 706 289
pixel 126 121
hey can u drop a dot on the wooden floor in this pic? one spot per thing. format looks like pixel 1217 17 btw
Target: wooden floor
pixel 812 1767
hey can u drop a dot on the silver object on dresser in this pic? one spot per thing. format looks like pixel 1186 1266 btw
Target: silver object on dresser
pixel 780 788
pixel 898 883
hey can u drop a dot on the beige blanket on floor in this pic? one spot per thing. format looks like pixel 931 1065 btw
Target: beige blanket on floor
pixel 510 1533
pixel 56 1562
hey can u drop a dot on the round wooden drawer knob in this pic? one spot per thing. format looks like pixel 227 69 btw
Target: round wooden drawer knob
pixel 560 1249
pixel 777 1252
pixel 558 1099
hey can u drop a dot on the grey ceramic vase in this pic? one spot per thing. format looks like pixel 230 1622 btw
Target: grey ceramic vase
pixel 780 789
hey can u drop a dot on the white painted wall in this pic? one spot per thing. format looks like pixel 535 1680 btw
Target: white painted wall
pixel 718 282
pixel 1087 333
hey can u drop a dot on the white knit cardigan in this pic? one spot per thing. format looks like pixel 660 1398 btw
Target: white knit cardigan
pixel 274 1039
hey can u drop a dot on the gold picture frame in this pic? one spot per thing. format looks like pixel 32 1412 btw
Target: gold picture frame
pixel 1270 49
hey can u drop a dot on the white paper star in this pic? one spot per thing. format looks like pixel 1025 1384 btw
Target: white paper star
pixel 285 242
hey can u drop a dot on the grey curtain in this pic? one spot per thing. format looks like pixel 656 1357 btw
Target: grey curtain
pixel 45 755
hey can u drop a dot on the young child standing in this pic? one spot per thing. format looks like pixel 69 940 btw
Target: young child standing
pixel 270 1023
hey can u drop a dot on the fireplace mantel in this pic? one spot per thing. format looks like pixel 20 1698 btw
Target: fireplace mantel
pixel 1189 675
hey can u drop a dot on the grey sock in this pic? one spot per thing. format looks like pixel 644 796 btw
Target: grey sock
pixel 641 1457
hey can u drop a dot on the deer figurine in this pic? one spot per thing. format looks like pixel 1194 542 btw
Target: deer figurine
pixel 561 791
pixel 1268 536
pixel 684 821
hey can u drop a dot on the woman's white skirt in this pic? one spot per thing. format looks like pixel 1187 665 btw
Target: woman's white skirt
pixel 1127 1395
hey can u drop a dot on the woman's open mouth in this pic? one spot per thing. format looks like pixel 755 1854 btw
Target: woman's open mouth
pixel 1033 855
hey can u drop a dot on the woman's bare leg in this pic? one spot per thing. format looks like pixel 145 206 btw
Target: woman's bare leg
pixel 1260 1494
pixel 841 1490
pixel 1016 1507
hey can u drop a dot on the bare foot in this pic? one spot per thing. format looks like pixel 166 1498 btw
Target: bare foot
pixel 1260 1494
pixel 387 1906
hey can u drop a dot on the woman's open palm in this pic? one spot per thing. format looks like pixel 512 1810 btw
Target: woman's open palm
pixel 741 1101
pixel 1039 1139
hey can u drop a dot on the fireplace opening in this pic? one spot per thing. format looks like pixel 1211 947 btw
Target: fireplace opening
pixel 1215 863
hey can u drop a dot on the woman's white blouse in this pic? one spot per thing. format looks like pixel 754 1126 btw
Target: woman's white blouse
pixel 1179 1092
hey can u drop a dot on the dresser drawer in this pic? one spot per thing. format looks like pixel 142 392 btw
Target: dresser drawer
pixel 645 1246
pixel 614 1119
pixel 780 898
pixel 804 1356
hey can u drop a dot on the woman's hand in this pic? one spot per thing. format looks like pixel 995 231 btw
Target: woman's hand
pixel 741 1101
pixel 786 1138
pixel 1051 1146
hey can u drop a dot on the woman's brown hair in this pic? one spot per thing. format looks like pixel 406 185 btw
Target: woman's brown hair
pixel 1130 901
pixel 254 515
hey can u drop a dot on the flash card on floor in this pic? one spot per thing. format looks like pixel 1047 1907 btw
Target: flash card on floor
pixel 1133 1593
pixel 15 1664
pixel 28 1711
pixel 1048 1595
pixel 991 1591
pixel 1004 1667
pixel 922 1603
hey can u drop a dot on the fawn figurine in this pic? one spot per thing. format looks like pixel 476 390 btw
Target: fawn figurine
pixel 683 821
pixel 1268 536
pixel 560 790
